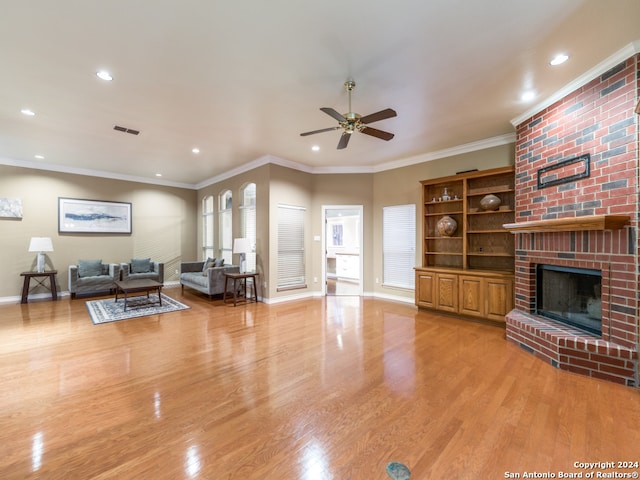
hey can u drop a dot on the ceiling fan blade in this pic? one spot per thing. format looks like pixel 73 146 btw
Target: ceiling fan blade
pixel 319 131
pixel 344 140
pixel 331 112
pixel 381 115
pixel 374 132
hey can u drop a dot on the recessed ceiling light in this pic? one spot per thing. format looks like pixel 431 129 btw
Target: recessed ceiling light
pixel 559 59
pixel 528 96
pixel 104 75
pixel 39 157
pixel 28 112
pixel 195 150
pixel 315 148
pixel 158 174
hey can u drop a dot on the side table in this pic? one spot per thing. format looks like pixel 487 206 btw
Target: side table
pixel 238 279
pixel 40 277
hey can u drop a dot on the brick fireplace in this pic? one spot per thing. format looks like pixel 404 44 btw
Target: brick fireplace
pixel 584 216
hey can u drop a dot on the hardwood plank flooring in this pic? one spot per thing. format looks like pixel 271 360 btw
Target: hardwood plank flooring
pixel 330 388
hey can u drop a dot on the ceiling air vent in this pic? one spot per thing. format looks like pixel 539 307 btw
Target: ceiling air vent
pixel 126 130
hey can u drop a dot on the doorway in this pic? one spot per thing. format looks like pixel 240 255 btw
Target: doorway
pixel 342 247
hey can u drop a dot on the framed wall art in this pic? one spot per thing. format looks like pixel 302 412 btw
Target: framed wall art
pixel 93 216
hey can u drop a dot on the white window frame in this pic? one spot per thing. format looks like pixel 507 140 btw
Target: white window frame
pixel 207 227
pixel 225 216
pixel 248 215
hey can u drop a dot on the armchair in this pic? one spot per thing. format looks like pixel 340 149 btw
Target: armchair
pixel 90 276
pixel 142 268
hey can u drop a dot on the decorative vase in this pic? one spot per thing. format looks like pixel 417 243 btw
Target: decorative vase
pixel 490 202
pixel 446 226
pixel 445 195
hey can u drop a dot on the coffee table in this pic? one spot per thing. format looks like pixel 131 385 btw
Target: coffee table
pixel 137 286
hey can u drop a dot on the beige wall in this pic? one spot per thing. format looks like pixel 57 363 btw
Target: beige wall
pixel 402 186
pixel 294 188
pixel 261 177
pixel 342 189
pixel 167 221
pixel 163 224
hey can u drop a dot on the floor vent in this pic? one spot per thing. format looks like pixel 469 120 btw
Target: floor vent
pixel 126 130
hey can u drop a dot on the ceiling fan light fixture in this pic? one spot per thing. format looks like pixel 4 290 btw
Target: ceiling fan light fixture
pixel 352 121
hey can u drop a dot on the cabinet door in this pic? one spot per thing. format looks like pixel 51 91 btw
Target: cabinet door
pixel 425 284
pixel 447 292
pixel 472 295
pixel 499 298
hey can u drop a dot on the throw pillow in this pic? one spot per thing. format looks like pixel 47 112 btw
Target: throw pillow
pixel 219 262
pixel 140 265
pixel 89 268
pixel 209 262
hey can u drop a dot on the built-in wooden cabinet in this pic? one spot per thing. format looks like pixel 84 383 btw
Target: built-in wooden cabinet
pixel 470 270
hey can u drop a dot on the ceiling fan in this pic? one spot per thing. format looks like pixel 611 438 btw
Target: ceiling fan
pixel 351 121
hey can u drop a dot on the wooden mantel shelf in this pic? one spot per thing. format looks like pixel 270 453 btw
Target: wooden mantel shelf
pixel 573 224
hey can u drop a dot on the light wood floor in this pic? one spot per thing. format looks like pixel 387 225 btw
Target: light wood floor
pixel 322 389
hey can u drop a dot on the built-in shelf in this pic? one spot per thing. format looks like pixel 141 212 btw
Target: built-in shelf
pixel 573 224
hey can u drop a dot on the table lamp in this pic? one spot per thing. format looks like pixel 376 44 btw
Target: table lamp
pixel 40 245
pixel 241 246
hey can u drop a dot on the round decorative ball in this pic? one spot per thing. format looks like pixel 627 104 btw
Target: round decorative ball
pixel 446 226
pixel 490 202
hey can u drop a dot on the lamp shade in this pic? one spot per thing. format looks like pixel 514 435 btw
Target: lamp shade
pixel 241 245
pixel 40 244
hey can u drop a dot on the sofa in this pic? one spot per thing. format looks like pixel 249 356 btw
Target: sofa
pixel 210 280
pixel 142 268
pixel 92 276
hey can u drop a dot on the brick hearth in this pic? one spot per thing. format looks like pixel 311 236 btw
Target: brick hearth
pixel 597 119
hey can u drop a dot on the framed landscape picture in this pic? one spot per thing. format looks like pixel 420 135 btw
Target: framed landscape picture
pixel 93 216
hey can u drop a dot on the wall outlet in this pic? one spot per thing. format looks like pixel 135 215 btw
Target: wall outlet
pixel 377 280
pixel 315 279
pixel 177 271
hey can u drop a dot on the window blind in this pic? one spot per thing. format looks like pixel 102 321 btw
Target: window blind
pixel 398 245
pixel 291 255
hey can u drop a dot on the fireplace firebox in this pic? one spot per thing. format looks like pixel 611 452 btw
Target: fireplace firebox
pixel 570 295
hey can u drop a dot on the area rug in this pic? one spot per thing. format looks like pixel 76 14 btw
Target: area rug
pixel 107 310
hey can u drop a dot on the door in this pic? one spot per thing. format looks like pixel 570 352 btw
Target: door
pixel 342 247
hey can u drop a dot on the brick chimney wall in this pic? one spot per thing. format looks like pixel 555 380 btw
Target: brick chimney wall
pixel 597 119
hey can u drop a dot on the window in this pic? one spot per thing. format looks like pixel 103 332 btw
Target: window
pixel 398 245
pixel 207 227
pixel 291 269
pixel 248 212
pixel 226 226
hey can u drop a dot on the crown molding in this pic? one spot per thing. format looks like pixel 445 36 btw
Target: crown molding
pixel 51 167
pixel 449 152
pixel 604 66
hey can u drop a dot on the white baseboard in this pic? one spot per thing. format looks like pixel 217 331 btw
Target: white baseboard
pixel 268 301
